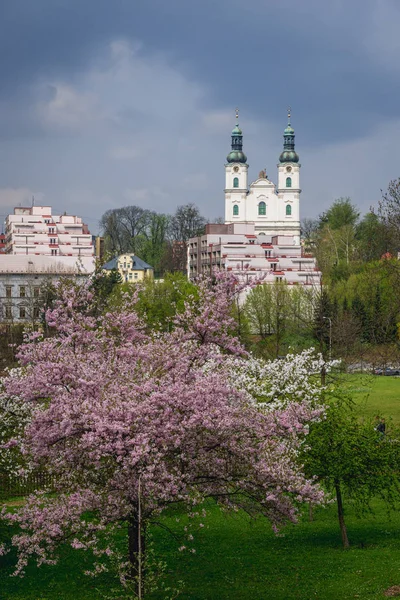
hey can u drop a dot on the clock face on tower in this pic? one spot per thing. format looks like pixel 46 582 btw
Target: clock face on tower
pixel 236 169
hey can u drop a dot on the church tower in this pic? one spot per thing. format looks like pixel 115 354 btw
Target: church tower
pixel 236 178
pixel 289 183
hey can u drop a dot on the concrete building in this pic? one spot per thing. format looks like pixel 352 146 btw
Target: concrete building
pixel 23 278
pixel 130 267
pixel 35 231
pixel 236 247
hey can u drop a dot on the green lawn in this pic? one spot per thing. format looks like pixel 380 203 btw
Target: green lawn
pixel 239 559
pixel 375 394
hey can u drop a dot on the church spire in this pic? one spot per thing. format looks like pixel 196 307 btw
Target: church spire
pixel 289 154
pixel 237 155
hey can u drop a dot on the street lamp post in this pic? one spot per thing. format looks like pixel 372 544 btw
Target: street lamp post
pixel 330 335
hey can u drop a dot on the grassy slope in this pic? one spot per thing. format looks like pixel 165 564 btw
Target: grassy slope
pixel 376 394
pixel 241 560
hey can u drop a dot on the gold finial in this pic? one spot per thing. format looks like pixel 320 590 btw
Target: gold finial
pixel 289 110
pixel 237 113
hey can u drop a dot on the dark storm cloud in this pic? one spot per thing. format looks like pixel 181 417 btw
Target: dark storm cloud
pixel 73 127
pixel 261 54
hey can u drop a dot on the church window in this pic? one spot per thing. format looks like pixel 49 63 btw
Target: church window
pixel 235 210
pixel 288 182
pixel 236 182
pixel 288 210
pixel 262 208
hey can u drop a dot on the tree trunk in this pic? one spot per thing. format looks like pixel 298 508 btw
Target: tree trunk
pixel 323 375
pixel 136 547
pixel 340 509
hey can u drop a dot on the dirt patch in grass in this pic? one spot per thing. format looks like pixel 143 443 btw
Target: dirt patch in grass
pixel 392 592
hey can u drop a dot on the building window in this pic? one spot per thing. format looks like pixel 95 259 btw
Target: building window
pixel 288 210
pixel 22 312
pixel 288 182
pixel 262 209
pixel 53 241
pixel 36 312
pixel 135 275
pixel 51 229
pixel 22 291
pixel 36 292
pixel 235 210
pixel 8 312
pixel 53 252
pixel 8 291
pixel 236 182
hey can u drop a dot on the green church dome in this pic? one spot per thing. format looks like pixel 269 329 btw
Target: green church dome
pixel 289 156
pixel 236 130
pixel 236 156
pixel 289 130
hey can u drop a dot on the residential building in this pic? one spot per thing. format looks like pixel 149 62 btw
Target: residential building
pixel 2 243
pixel 23 278
pixel 131 267
pixel 35 231
pixel 236 247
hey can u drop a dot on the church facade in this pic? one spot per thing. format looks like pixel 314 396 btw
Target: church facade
pixel 261 234
pixel 274 210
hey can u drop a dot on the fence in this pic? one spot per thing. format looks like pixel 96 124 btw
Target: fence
pixel 23 485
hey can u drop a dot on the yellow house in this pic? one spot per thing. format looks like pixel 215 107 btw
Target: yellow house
pixel 130 267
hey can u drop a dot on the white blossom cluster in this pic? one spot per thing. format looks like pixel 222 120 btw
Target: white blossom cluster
pixel 15 414
pixel 276 383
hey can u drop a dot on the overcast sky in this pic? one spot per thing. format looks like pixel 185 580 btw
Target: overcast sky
pixel 106 103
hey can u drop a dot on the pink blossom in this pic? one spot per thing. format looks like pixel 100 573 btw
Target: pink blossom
pixel 120 416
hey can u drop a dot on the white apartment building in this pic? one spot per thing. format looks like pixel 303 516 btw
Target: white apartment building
pixel 236 247
pixel 23 280
pixel 36 231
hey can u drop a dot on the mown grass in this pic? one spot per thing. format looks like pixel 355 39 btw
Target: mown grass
pixel 375 394
pixel 240 559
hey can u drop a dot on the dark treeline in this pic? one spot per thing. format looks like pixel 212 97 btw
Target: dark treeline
pixel 358 258
pixel 159 239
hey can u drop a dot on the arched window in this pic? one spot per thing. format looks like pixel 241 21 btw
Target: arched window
pixel 235 210
pixel 288 210
pixel 288 182
pixel 236 182
pixel 262 208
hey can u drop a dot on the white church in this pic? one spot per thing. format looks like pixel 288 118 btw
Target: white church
pixel 273 210
pixel 261 234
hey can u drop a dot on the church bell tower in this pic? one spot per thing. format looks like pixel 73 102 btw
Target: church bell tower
pixel 289 183
pixel 236 178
